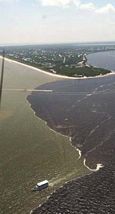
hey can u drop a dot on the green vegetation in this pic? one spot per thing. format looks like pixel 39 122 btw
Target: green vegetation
pixel 71 71
pixel 60 59
pixel 82 71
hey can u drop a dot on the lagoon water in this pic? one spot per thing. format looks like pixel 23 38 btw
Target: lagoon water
pixel 103 60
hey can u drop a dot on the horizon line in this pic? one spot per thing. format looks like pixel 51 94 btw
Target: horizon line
pixel 55 43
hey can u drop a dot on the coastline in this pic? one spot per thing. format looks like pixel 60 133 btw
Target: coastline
pixel 57 75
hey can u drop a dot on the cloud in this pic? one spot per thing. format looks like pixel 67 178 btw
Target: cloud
pixel 109 8
pixel 89 6
pixel 59 3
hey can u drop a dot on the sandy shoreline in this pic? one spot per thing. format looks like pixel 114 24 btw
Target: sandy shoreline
pixel 56 75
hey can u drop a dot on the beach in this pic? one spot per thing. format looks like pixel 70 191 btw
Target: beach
pixel 52 74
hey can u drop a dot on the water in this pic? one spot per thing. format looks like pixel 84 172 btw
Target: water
pixel 29 150
pixel 103 60
pixel 84 110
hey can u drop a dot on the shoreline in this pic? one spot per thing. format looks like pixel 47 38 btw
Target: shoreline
pixel 57 75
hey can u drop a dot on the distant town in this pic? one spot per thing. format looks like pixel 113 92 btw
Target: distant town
pixel 65 59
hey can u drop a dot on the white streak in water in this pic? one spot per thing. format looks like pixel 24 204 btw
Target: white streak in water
pixel 79 151
pixel 99 166
pixel 27 90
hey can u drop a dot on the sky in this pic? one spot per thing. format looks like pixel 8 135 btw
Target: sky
pixel 56 21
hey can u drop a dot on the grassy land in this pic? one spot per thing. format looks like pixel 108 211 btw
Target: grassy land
pixel 68 71
pixel 82 71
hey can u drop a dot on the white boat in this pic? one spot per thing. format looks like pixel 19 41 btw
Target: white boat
pixel 41 185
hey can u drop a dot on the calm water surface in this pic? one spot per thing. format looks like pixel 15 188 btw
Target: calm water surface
pixel 103 60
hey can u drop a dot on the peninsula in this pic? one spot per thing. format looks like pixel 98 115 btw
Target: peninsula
pixel 66 60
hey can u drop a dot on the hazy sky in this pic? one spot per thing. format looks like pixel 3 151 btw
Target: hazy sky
pixel 53 21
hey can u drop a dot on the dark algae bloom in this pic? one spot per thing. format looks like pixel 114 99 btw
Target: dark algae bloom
pixel 85 111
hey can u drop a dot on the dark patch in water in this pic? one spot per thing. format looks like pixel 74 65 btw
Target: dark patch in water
pixel 85 111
